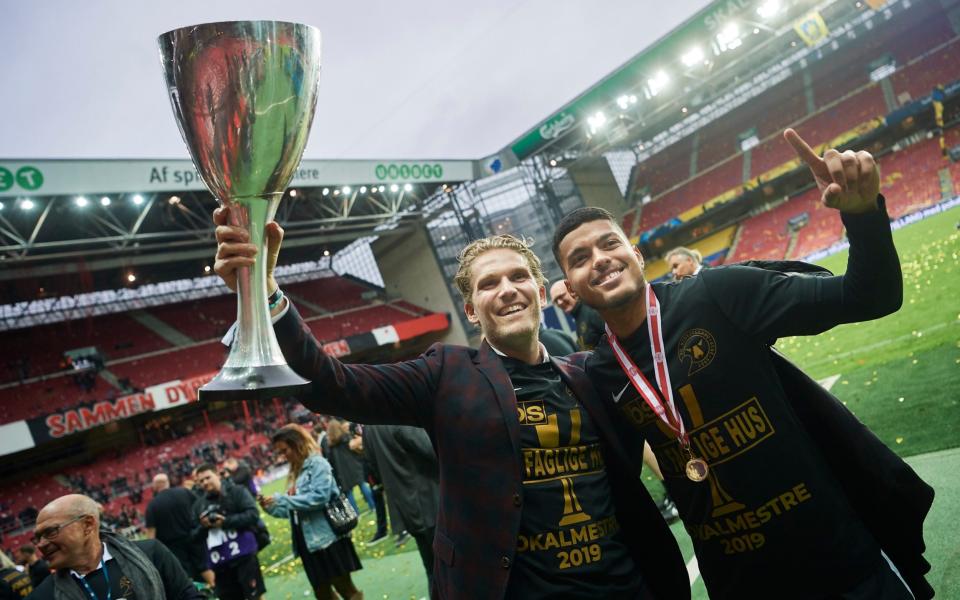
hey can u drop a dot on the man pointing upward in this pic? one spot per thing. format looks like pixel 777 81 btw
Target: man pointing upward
pixel 767 515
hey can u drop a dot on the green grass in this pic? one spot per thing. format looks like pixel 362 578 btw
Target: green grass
pixel 913 355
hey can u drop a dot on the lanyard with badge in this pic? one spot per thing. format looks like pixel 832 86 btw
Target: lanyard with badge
pixel 106 577
pixel 696 468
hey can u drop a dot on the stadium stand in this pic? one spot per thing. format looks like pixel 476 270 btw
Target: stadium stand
pixel 136 355
pixel 910 177
pixel 116 336
pixel 199 319
pixel 49 395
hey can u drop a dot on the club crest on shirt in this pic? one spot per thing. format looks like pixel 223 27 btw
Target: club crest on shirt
pixel 699 347
pixel 126 587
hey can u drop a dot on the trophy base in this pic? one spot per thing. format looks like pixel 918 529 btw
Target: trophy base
pixel 253 383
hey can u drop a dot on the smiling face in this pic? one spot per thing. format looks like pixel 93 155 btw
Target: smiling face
pixel 602 267
pixel 70 546
pixel 505 298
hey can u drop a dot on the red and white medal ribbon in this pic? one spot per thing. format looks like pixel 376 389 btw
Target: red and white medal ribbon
pixel 696 467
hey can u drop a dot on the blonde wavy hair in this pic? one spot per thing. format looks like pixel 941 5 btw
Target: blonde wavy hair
pixel 495 242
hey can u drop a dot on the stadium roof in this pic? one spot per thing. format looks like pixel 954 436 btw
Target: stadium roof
pixel 400 79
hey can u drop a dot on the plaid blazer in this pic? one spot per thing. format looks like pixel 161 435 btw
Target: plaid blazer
pixel 464 399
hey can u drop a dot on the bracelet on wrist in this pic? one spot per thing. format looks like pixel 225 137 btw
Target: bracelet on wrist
pixel 275 298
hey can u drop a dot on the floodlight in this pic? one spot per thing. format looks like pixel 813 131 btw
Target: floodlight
pixel 381 188
pixel 407 187
pixel 131 277
pixel 325 191
pixel 336 192
pixel 394 188
pixel 729 37
pixel 656 83
pixel 768 8
pixel 81 201
pixel 138 199
pixel 174 200
pixel 692 57
pixel 326 253
pixel 26 204
pixel 553 162
pixel 346 189
pixel 363 189
pixel 206 268
pixel 104 201
pixel 597 121
pixel 293 193
pixel 1 205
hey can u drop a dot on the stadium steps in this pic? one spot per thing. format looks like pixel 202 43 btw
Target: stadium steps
pixel 946 184
pixel 110 378
pixel 160 328
pixel 301 301
pixel 733 245
pixel 794 238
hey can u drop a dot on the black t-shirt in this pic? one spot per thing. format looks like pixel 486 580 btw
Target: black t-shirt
pixel 771 519
pixel 14 584
pixel 176 585
pixel 569 544
pixel 590 326
pixel 171 514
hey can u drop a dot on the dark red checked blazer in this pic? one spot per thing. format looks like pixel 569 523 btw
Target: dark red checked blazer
pixel 464 399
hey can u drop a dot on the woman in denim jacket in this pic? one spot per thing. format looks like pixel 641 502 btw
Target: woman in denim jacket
pixel 327 560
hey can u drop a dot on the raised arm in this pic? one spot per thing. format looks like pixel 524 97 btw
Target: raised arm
pixel 400 393
pixel 771 304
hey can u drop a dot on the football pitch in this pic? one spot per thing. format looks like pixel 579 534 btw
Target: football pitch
pixel 898 374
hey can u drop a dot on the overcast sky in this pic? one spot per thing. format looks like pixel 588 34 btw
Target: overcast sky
pixel 400 79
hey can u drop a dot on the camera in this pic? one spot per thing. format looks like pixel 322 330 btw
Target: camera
pixel 212 513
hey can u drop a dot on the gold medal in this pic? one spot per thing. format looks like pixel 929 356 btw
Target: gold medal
pixel 697 469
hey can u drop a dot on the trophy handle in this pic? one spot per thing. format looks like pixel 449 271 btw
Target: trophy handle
pixel 255 367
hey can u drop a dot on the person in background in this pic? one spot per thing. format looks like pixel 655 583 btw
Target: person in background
pixel 405 458
pixel 239 473
pixel 170 519
pixel 327 560
pixel 226 517
pixel 589 323
pixel 93 563
pixel 38 568
pixel 347 464
pixel 14 583
pixel 684 262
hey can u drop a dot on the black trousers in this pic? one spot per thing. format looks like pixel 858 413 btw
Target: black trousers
pixel 424 541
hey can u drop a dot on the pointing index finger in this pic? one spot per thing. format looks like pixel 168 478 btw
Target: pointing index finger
pixel 803 150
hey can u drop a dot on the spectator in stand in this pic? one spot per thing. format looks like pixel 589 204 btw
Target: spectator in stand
pixel 227 517
pixel 405 459
pixel 91 563
pixel 14 583
pixel 170 519
pixel 38 568
pixel 684 262
pixel 327 560
pixel 347 464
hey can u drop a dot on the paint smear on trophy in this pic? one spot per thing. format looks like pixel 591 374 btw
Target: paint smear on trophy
pixel 243 95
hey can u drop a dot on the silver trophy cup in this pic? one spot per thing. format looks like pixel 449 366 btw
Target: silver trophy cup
pixel 243 95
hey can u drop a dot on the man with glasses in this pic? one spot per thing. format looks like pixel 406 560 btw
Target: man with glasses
pixel 91 563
